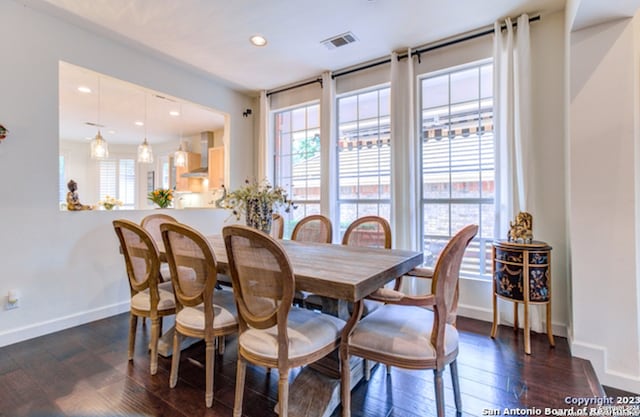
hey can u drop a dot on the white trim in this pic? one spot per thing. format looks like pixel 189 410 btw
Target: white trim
pixel 50 326
pixel 485 314
pixel 597 355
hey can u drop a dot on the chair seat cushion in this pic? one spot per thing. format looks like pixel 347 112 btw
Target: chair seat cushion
pixel 142 300
pixel 308 331
pixel 401 331
pixel 224 312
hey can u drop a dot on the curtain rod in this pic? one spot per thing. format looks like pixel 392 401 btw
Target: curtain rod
pixel 387 60
pixel 430 48
pixel 291 87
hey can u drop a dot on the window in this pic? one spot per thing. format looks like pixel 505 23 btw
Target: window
pixel 297 159
pixel 364 156
pixel 62 183
pixel 118 179
pixel 458 162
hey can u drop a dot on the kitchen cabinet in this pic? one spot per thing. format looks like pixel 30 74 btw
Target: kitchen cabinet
pixel 189 184
pixel 216 167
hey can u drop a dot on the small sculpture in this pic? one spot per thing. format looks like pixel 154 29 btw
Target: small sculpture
pixel 521 230
pixel 73 201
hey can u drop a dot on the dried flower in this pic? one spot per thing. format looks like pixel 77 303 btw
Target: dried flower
pixel 260 193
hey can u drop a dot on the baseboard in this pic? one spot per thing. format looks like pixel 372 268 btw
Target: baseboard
pixel 20 334
pixel 483 314
pixel 597 355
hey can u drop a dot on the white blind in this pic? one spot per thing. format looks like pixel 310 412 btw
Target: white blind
pixel 458 167
pixel 108 173
pixel 364 157
pixel 62 183
pixel 118 179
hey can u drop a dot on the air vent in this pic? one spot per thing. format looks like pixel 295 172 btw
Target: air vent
pixel 93 124
pixel 340 40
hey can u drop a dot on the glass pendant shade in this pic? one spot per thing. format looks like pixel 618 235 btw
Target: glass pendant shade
pixel 180 157
pixel 145 153
pixel 99 147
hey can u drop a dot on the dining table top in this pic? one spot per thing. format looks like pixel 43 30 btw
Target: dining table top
pixel 332 270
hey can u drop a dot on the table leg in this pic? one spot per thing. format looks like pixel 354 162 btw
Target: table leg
pixel 165 342
pixel 527 340
pixel 315 392
pixel 494 328
pixel 549 326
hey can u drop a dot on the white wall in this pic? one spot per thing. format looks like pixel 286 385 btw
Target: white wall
pixel 603 212
pixel 67 264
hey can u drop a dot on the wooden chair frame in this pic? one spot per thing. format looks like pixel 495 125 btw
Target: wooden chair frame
pixel 210 334
pixel 280 318
pixel 149 251
pixel 444 299
pixel 277 226
pixel 324 221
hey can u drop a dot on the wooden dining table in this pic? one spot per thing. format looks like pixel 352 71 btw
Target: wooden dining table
pixel 340 273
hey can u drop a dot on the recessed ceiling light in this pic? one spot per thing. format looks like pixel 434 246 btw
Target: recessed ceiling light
pixel 84 89
pixel 112 132
pixel 139 123
pixel 258 40
pixel 174 113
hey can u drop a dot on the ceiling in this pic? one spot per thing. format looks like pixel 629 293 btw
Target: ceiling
pixel 116 106
pixel 212 38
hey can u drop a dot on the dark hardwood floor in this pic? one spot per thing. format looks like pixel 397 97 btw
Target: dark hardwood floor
pixel 84 372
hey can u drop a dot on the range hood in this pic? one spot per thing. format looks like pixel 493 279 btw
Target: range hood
pixel 206 142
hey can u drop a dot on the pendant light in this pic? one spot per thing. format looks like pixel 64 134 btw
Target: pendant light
pixel 180 156
pixel 99 146
pixel 145 153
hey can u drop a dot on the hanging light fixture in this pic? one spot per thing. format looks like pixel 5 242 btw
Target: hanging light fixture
pixel 99 146
pixel 180 156
pixel 145 153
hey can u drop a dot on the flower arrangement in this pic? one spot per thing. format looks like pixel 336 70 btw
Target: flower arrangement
pixel 110 202
pixel 161 196
pixel 257 201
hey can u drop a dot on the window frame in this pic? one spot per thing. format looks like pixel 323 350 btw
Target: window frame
pixel 290 218
pixel 484 272
pixel 117 159
pixel 378 202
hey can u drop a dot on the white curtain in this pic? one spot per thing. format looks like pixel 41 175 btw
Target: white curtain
pixel 328 134
pixel 265 168
pixel 404 152
pixel 512 127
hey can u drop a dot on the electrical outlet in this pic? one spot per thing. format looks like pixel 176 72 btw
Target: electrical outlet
pixel 13 300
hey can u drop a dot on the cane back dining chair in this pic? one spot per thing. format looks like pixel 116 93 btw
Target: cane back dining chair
pixel 407 335
pixel 202 311
pixel 277 226
pixel 149 298
pixel 273 332
pixel 151 224
pixel 313 228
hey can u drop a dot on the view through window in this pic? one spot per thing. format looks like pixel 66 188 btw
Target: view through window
pixel 458 181
pixel 297 159
pixel 364 156
pixel 118 179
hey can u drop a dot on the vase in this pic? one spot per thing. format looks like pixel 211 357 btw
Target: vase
pixel 258 215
